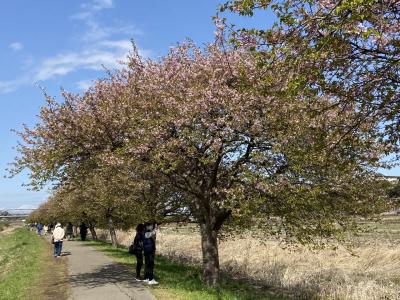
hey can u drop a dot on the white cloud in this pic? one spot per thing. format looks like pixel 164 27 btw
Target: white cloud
pixel 97 5
pixel 95 30
pixel 119 44
pixel 97 50
pixel 16 46
pixel 84 84
pixel 105 54
pixel 8 86
pixel 102 4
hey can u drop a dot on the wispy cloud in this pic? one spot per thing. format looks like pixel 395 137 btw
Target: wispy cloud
pixel 107 54
pixel 8 86
pixel 98 5
pixel 97 49
pixel 84 84
pixel 16 46
pixel 95 30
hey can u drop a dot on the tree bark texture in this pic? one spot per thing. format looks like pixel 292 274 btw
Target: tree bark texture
pixel 93 232
pixel 209 245
pixel 113 234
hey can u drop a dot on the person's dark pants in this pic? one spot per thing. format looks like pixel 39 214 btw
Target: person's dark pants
pixel 149 266
pixel 83 236
pixel 57 248
pixel 139 264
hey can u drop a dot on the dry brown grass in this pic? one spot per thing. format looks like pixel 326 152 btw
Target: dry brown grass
pixel 372 273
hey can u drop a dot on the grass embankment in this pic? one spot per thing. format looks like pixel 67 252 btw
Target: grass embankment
pixel 183 281
pixel 3 225
pixel 21 253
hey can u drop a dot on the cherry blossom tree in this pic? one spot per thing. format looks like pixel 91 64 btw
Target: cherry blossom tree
pixel 240 150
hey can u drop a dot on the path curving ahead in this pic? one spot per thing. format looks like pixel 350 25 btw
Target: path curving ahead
pixel 93 275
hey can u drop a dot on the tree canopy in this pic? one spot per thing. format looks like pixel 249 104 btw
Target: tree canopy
pixel 347 50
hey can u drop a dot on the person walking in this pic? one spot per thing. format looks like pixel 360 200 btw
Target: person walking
pixel 149 250
pixel 39 228
pixel 58 237
pixel 69 231
pixel 138 249
pixel 45 229
pixel 83 231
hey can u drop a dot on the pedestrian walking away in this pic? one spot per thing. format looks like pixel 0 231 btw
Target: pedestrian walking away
pixel 39 228
pixel 83 231
pixel 69 231
pixel 57 238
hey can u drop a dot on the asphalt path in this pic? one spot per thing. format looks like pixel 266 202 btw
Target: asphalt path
pixel 93 275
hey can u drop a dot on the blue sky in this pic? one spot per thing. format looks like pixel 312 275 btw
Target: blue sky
pixel 53 44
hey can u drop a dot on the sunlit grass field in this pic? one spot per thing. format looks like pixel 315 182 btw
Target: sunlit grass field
pixel 21 253
pixel 367 268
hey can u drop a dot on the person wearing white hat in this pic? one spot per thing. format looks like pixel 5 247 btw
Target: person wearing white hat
pixel 57 238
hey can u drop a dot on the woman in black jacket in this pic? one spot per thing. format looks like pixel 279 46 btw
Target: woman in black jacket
pixel 138 249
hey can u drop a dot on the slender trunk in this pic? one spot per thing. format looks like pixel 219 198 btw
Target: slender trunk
pixel 113 235
pixel 209 245
pixel 92 229
pixel 93 232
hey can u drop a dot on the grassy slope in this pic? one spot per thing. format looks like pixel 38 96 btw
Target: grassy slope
pixel 20 255
pixel 3 225
pixel 181 281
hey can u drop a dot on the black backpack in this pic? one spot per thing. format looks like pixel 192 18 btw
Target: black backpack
pixel 137 245
pixel 131 249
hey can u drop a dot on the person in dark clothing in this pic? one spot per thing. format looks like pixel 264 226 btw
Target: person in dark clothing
pixel 83 231
pixel 138 249
pixel 149 250
pixel 69 231
pixel 39 227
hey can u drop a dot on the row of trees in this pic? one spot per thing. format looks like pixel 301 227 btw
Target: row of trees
pixel 230 136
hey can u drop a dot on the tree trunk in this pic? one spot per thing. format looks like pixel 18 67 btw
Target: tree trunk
pixel 93 232
pixel 113 235
pixel 209 245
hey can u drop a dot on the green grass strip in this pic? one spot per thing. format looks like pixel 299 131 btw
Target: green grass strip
pixel 183 281
pixel 21 252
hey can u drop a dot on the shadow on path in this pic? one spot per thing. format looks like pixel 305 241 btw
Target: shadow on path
pixel 112 273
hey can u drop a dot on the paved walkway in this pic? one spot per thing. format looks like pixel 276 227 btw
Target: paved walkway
pixel 93 275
